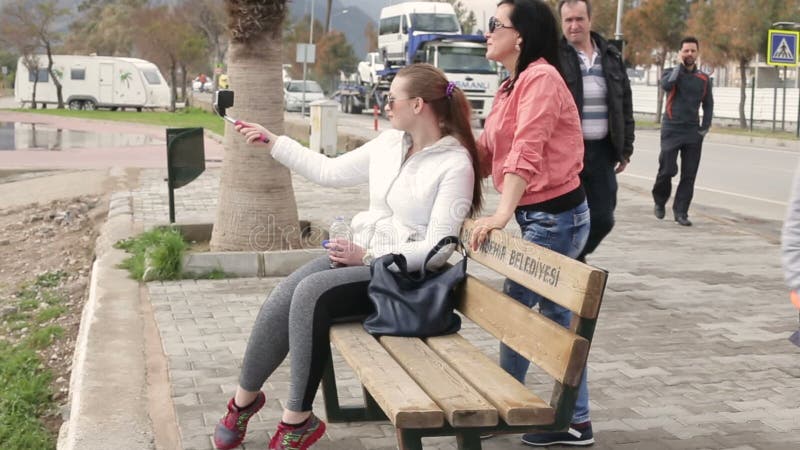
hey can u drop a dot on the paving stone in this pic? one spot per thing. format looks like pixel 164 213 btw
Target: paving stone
pixel 690 351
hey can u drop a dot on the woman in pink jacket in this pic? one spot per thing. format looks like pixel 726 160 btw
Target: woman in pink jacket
pixel 533 144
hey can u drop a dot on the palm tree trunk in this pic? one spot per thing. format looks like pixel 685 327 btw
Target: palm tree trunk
pixel 256 208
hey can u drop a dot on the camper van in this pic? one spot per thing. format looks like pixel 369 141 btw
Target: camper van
pixel 398 22
pixel 91 82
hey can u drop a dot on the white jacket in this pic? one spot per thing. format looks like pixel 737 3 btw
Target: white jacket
pixel 412 204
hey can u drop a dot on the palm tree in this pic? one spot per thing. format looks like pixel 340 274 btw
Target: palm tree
pixel 257 209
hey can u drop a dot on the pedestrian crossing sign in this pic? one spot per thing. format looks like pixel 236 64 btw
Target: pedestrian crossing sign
pixel 782 48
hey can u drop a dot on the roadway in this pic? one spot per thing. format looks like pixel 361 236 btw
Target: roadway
pixel 753 179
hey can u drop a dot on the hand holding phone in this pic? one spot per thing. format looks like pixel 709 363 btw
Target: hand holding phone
pixel 223 99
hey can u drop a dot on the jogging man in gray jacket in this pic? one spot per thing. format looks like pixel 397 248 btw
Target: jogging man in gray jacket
pixel 687 89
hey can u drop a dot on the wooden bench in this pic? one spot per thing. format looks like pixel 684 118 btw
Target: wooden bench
pixel 445 386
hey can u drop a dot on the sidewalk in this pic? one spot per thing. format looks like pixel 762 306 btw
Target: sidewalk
pixel 691 348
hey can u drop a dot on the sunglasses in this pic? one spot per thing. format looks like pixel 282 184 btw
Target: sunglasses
pixel 494 24
pixel 390 100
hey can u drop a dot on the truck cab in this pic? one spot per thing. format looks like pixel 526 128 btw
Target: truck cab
pixel 399 22
pixel 465 64
pixel 368 70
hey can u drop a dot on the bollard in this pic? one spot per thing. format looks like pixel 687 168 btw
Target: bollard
pixel 323 127
pixel 375 116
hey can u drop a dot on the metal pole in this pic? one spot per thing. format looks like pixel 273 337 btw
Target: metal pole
pixel 774 105
pixel 618 30
pixel 797 134
pixel 783 105
pixel 305 58
pixel 752 100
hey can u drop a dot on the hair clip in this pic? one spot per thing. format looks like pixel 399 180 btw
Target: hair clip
pixel 449 90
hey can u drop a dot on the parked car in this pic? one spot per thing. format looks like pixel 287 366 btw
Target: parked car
pixel 293 94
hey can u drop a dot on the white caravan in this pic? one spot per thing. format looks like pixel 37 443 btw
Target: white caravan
pixel 90 82
pixel 397 22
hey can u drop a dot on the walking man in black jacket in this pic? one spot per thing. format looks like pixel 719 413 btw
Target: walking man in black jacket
pixel 599 83
pixel 681 132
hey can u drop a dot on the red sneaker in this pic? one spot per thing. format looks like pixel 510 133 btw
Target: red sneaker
pixel 230 430
pixel 297 438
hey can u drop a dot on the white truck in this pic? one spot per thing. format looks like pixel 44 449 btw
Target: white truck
pixel 91 82
pixel 414 32
pixel 398 23
pixel 462 58
pixel 368 70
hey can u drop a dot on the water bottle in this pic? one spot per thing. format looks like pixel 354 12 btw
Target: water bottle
pixel 339 230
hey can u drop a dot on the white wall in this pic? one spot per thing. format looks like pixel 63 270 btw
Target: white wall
pixel 726 102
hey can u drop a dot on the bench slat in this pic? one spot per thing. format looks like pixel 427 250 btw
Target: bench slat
pixel 552 347
pixel 515 403
pixel 462 404
pixel 400 397
pixel 566 281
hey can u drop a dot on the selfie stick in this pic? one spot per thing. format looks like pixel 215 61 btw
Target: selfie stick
pixel 223 99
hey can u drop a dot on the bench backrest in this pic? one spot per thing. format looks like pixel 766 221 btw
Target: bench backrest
pixel 560 352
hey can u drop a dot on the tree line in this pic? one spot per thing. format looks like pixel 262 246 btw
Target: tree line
pixel 728 30
pixel 187 38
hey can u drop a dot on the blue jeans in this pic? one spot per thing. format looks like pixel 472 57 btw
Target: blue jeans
pixel 565 233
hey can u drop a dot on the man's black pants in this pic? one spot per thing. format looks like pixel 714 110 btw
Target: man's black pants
pixel 689 148
pixel 600 183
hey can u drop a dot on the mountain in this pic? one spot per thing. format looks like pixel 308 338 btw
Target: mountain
pixel 347 18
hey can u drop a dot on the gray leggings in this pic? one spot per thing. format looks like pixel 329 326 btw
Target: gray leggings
pixel 297 315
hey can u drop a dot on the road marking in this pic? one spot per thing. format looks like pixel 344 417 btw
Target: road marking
pixel 716 191
pixel 656 148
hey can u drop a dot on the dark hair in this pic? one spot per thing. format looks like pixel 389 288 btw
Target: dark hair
pixel 537 26
pixel 690 40
pixel 454 112
pixel 572 2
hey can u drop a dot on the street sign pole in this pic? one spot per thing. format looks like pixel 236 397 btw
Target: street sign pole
pixel 305 60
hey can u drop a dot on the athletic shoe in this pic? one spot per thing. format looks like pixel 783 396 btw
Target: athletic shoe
pixel 230 430
pixel 289 437
pixel 577 435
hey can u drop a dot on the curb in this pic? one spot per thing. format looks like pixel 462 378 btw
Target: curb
pixel 249 264
pixel 108 382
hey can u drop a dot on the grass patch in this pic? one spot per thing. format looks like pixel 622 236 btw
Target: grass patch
pixel 50 279
pixel 156 254
pixel 25 396
pixel 188 117
pixel 43 337
pixel 50 313
pixel 216 274
pixel 25 393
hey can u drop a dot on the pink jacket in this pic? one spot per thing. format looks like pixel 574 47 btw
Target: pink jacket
pixel 535 132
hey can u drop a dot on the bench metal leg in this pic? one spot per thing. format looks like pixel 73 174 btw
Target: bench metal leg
pixel 469 440
pixel 409 439
pixel 334 412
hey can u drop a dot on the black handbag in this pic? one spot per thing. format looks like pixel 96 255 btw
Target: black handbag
pixel 418 304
